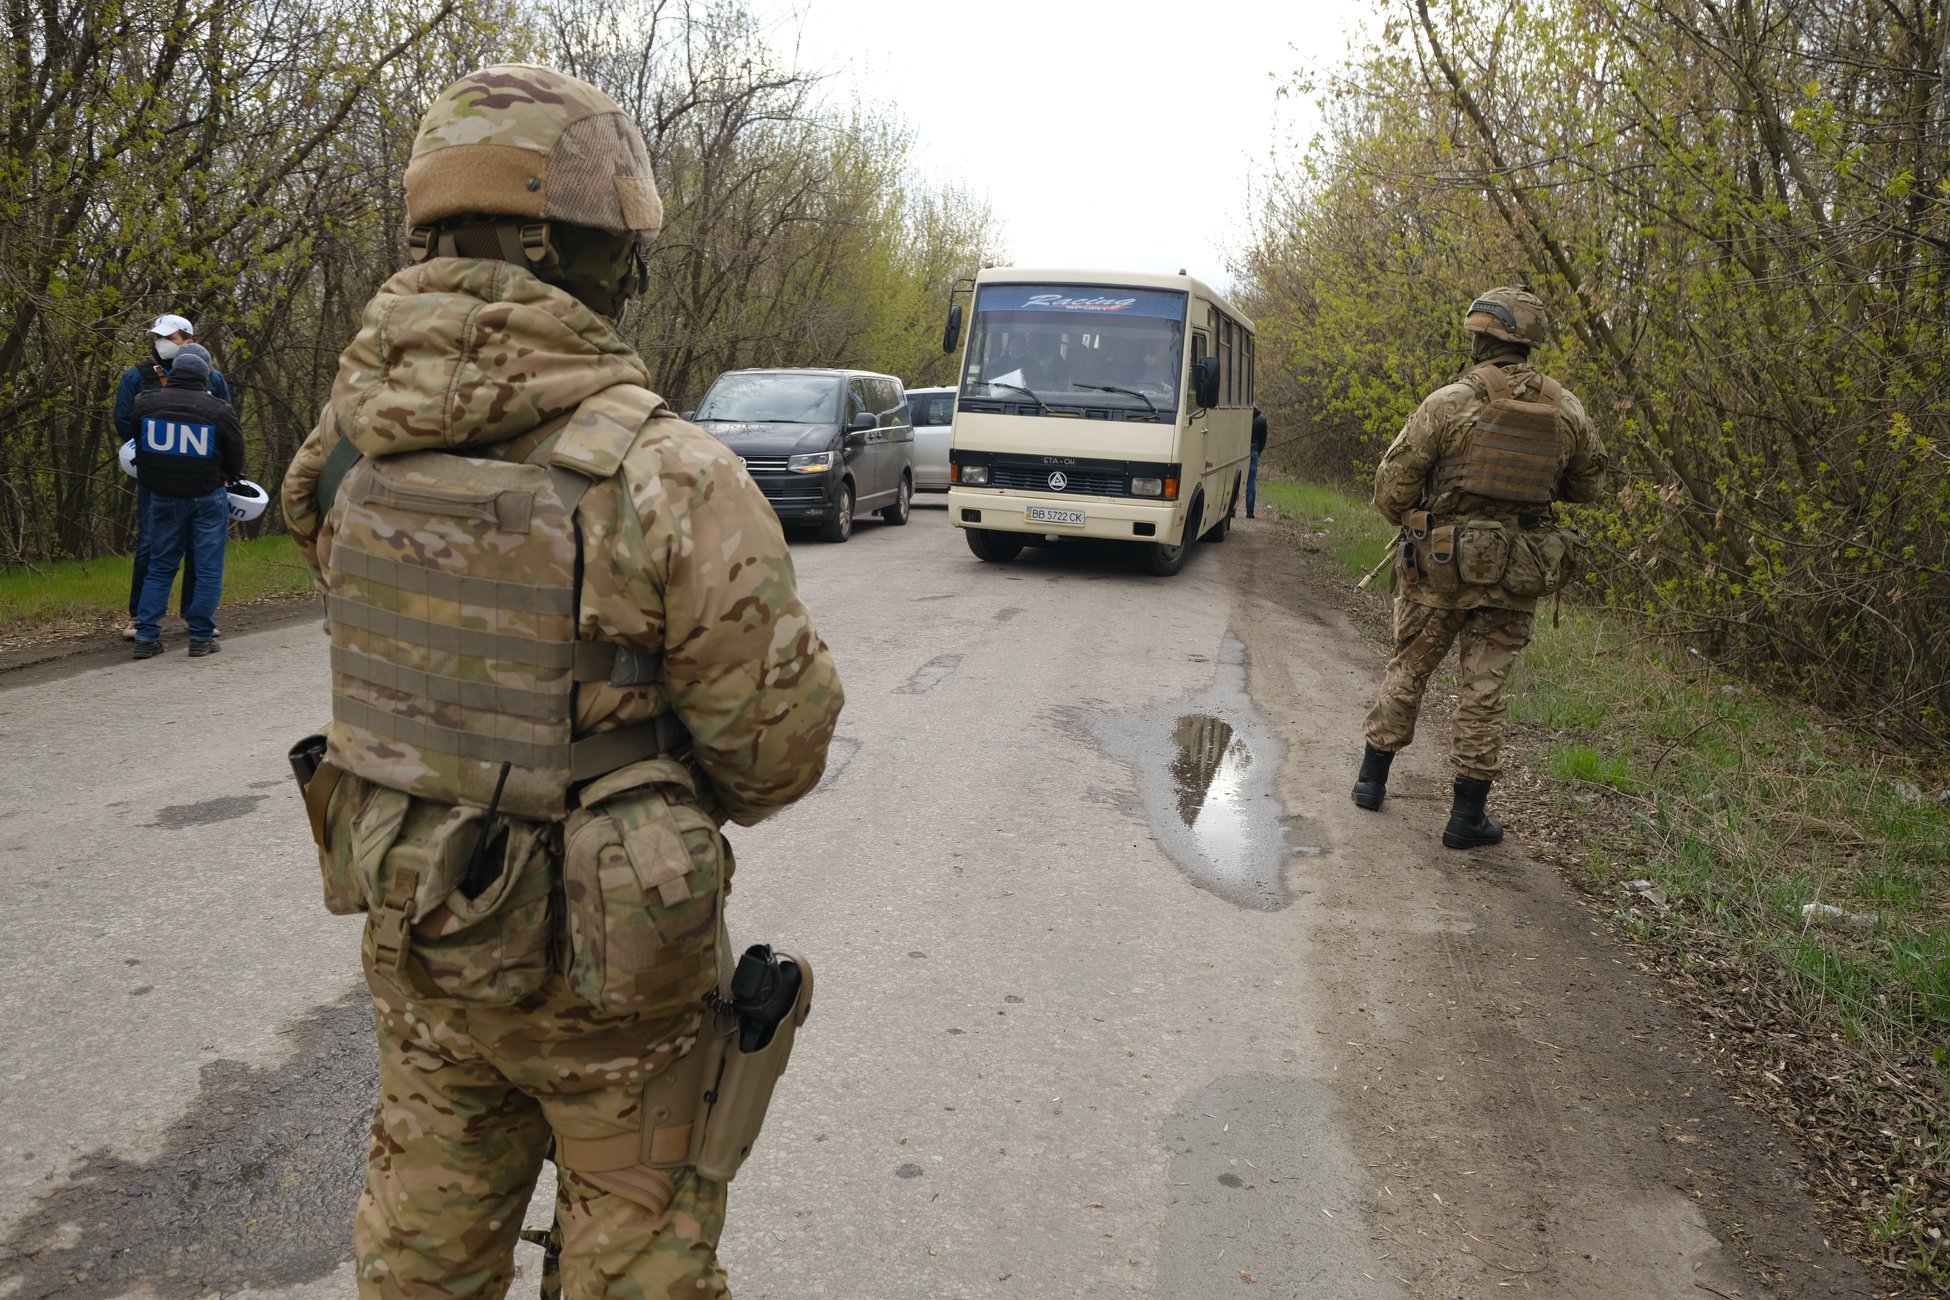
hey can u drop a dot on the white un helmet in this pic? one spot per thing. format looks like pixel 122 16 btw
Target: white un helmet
pixel 247 500
pixel 127 457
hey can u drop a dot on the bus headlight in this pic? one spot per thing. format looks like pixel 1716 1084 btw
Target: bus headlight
pixel 975 475
pixel 816 462
pixel 1147 487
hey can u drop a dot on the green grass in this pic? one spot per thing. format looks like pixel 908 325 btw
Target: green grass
pixel 1742 808
pixel 75 590
pixel 1345 527
pixel 1745 809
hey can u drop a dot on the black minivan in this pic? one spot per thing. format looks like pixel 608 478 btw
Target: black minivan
pixel 823 445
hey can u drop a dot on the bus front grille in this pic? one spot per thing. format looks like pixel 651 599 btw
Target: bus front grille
pixel 1077 482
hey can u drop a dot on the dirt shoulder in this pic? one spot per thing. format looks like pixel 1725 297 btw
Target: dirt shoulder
pixel 71 646
pixel 1544 1108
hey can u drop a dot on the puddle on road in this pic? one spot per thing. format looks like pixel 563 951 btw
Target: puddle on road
pixel 1205 771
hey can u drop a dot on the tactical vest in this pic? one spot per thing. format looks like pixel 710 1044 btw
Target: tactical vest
pixel 453 598
pixel 1515 452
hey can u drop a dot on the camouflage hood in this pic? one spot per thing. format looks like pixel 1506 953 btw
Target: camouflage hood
pixel 457 352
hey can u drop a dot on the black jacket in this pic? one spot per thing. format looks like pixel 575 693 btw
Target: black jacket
pixel 1259 432
pixel 187 443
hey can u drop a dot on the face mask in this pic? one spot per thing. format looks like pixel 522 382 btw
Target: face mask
pixel 166 350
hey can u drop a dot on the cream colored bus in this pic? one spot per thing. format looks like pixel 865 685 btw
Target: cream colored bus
pixel 1099 404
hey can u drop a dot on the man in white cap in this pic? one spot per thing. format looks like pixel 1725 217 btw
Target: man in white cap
pixel 167 336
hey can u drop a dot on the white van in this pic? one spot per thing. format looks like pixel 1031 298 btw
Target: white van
pixel 934 430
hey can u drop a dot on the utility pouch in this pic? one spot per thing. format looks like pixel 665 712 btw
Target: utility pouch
pixel 433 931
pixel 1482 552
pixel 643 870
pixel 1542 561
pixel 1435 555
pixel 750 1063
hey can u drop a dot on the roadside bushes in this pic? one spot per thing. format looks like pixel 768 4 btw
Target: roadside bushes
pixel 1740 217
pixel 240 163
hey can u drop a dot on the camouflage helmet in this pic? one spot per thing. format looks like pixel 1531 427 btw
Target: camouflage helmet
pixel 1514 315
pixel 524 141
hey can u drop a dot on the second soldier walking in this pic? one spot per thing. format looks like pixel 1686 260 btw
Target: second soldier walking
pixel 1471 480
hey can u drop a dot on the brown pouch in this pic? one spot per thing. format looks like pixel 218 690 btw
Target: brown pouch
pixel 1418 523
pixel 1542 561
pixel 1435 557
pixel 643 869
pixel 1482 552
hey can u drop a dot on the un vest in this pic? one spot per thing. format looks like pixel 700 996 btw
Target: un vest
pixel 453 597
pixel 1516 450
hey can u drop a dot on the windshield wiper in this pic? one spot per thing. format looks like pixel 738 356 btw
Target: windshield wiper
pixel 1018 388
pixel 1128 392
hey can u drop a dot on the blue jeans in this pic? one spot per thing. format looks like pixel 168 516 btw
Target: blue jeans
pixel 175 525
pixel 139 569
pixel 1252 482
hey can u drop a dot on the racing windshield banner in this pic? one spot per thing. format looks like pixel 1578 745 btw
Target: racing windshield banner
pixel 1077 300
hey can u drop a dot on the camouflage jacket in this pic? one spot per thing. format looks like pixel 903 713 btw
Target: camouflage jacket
pixel 682 555
pixel 1438 430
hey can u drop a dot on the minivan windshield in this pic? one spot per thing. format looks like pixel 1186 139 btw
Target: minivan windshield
pixel 773 397
pixel 1070 345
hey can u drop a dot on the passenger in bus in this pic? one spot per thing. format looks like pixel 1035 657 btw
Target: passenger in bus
pixel 1154 367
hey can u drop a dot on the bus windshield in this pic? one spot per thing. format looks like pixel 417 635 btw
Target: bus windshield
pixel 1070 345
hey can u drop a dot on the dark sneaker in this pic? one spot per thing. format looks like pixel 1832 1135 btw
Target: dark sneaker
pixel 201 648
pixel 148 649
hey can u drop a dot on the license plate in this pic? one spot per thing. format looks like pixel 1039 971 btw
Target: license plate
pixel 1051 515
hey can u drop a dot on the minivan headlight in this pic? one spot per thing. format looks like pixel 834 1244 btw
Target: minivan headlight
pixel 975 475
pixel 813 462
pixel 1147 487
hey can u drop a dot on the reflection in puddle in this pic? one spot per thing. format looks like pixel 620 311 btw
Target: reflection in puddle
pixel 1210 770
pixel 1205 774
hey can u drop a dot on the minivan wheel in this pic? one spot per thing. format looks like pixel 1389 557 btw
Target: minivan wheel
pixel 840 526
pixel 992 546
pixel 903 506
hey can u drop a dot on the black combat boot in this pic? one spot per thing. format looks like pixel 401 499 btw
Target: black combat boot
pixel 1469 827
pixel 1371 787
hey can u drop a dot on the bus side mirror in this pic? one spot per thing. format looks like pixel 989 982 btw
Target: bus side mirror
pixel 952 335
pixel 1205 377
pixel 862 423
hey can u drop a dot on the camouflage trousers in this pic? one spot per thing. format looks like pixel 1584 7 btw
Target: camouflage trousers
pixel 1488 642
pixel 469 1098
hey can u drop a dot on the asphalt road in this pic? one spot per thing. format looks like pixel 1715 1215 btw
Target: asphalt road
pixel 1118 994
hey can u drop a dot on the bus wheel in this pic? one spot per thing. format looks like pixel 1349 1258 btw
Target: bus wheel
pixel 992 546
pixel 1163 560
pixel 1221 527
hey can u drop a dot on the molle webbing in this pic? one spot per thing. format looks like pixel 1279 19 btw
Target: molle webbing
pixel 452 595
pixel 1515 449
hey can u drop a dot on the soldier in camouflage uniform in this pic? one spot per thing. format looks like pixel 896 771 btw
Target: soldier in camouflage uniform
pixel 567 646
pixel 1471 480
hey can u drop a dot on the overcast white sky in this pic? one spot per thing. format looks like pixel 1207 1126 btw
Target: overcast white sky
pixel 1078 121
